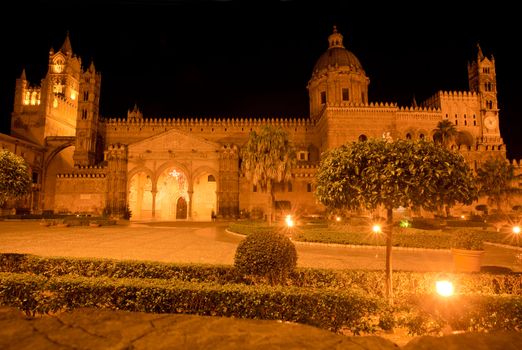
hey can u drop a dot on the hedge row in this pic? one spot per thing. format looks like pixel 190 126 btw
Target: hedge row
pixel 428 314
pixel 326 309
pixel 369 282
pixel 362 235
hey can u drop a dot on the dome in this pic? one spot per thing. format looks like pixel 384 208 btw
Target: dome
pixel 337 55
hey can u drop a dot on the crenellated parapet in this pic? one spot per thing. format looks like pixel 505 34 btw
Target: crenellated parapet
pixel 205 122
pixel 305 170
pixel 82 175
pixel 440 97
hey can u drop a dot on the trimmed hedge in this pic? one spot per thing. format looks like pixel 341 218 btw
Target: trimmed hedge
pixel 266 254
pixel 326 309
pixel 434 238
pixel 430 313
pixel 368 281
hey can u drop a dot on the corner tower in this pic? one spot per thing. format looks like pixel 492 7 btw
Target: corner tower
pixel 338 78
pixel 49 109
pixel 483 80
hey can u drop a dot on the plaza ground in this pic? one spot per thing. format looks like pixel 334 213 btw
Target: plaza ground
pixel 209 243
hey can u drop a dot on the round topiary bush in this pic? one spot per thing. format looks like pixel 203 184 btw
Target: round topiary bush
pixel 266 254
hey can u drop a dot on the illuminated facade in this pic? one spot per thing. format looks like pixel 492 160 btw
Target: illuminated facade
pixel 186 168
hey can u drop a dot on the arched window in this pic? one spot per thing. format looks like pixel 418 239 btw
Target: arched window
pixel 363 138
pixel 323 97
pixel 211 178
pixel 346 94
pixel 421 136
pixel 408 136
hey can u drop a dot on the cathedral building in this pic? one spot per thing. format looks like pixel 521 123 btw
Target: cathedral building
pixel 172 169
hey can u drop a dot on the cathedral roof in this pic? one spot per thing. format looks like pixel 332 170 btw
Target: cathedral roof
pixel 337 55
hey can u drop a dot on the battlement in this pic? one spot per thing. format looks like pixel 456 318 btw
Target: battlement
pixel 457 94
pixel 78 175
pixel 199 122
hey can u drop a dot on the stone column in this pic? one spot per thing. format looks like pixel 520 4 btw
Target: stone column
pixel 154 203
pixel 190 193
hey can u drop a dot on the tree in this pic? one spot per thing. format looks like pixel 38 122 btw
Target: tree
pixel 15 180
pixel 494 180
pixel 444 133
pixel 393 174
pixel 268 158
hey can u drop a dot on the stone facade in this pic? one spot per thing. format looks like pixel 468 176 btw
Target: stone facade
pixel 188 168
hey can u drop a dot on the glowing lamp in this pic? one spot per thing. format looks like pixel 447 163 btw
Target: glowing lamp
pixel 376 228
pixel 516 230
pixel 444 288
pixel 289 221
pixel 462 217
pixel 337 218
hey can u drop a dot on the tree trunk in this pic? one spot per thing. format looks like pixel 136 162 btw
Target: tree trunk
pixel 389 235
pixel 270 203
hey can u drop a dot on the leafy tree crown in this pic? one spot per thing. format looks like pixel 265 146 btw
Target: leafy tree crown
pixel 393 174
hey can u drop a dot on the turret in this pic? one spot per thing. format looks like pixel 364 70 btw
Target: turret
pixel 87 140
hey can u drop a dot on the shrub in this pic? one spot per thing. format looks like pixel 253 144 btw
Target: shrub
pixel 468 239
pixel 266 254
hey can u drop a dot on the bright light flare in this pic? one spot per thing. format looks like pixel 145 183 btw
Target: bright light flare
pixel 376 228
pixel 289 221
pixel 516 230
pixel 444 288
pixel 462 217
pixel 337 218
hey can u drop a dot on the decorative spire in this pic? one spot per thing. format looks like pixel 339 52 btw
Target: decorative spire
pixel 480 54
pixel 414 102
pixel 91 67
pixel 23 75
pixel 335 39
pixel 66 47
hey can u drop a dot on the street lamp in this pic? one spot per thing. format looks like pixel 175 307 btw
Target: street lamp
pixel 444 288
pixel 376 228
pixel 289 221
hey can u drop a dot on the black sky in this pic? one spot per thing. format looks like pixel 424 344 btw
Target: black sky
pixel 254 59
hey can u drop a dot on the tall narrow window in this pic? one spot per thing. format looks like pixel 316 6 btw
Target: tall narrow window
pixel 346 95
pixel 323 97
pixel 308 187
pixel 289 186
pixel 84 114
pixel 86 95
pixel 254 188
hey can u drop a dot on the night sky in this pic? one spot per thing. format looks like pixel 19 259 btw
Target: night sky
pixel 231 59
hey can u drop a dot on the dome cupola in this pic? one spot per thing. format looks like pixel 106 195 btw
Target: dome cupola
pixel 338 77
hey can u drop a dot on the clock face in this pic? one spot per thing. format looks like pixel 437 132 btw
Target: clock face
pixel 58 68
pixel 58 65
pixel 490 122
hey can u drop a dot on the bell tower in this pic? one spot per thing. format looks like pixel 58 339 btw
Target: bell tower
pixel 483 80
pixel 87 118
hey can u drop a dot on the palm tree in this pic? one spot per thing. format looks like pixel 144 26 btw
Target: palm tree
pixel 268 158
pixel 444 133
pixel 494 178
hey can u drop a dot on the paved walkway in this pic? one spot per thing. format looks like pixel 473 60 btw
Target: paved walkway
pixel 197 242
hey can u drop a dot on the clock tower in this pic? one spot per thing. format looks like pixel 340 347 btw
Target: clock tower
pixel 483 80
